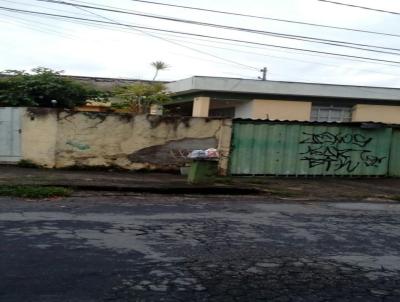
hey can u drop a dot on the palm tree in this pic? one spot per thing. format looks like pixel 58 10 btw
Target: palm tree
pixel 158 65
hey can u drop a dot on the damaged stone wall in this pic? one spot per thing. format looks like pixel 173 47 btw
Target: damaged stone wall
pixel 133 142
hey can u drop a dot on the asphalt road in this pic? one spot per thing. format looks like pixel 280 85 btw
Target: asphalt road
pixel 160 248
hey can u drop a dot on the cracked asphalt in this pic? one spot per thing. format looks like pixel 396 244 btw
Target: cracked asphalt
pixel 198 248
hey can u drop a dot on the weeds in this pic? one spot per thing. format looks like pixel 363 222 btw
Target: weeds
pixel 34 191
pixel 26 163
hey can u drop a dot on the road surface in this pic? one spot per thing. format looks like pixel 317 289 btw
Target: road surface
pixel 164 248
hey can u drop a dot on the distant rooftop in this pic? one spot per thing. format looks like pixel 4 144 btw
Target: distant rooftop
pixel 257 87
pixel 107 83
pixel 103 82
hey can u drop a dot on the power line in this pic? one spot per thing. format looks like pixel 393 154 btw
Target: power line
pixel 362 7
pixel 172 42
pixel 39 6
pixel 143 32
pixel 43 29
pixel 265 47
pixel 267 18
pixel 178 38
pixel 282 58
pixel 187 40
pixel 200 35
pixel 246 46
pixel 337 43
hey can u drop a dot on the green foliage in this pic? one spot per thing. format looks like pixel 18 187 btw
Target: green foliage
pixel 395 197
pixel 39 88
pixel 138 97
pixel 34 191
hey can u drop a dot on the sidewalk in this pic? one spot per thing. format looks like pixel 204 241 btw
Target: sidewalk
pixel 33 176
pixel 319 188
pixel 113 181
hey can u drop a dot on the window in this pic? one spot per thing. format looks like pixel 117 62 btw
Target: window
pixel 222 112
pixel 331 114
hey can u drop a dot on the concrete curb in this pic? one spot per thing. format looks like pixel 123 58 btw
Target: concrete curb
pixel 201 190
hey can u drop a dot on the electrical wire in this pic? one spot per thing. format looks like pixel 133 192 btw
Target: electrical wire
pixel 177 38
pixel 270 49
pixel 266 18
pixel 188 40
pixel 192 38
pixel 185 39
pixel 336 43
pixel 362 7
pixel 39 6
pixel 283 58
pixel 39 27
pixel 176 43
pixel 205 36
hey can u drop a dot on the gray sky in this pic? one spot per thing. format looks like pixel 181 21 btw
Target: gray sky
pixel 93 50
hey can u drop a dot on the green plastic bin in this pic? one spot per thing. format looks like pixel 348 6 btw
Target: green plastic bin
pixel 203 171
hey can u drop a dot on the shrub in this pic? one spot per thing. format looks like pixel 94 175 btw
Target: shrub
pixel 39 88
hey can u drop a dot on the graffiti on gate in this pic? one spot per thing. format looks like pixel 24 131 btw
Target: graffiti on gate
pixel 338 151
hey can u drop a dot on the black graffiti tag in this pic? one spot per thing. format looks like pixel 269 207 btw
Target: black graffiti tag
pixel 324 149
pixel 371 160
pixel 330 156
pixel 334 139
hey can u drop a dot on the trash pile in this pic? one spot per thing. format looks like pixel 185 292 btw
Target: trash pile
pixel 211 153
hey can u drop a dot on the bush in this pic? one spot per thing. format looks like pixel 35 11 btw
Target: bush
pixel 18 88
pixel 138 97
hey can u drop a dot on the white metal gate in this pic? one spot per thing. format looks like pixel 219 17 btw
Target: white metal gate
pixel 10 137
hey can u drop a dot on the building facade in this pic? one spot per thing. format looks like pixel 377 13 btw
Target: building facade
pixel 271 100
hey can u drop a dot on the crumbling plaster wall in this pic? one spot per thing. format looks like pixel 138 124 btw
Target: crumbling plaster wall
pixel 136 142
pixel 60 139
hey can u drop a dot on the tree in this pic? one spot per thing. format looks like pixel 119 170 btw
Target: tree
pixel 138 97
pixel 41 87
pixel 158 65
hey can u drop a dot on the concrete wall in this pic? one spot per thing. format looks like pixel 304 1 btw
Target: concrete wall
pixel 281 110
pixel 201 106
pixel 67 138
pixel 244 110
pixel 268 109
pixel 39 135
pixel 376 113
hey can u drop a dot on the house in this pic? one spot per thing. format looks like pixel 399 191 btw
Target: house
pixel 243 98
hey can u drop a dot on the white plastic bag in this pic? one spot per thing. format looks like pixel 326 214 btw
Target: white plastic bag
pixel 212 153
pixel 197 154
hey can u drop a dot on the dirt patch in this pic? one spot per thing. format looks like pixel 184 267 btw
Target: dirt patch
pixel 323 188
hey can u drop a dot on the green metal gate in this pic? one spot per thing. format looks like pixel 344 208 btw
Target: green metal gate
pixel 277 148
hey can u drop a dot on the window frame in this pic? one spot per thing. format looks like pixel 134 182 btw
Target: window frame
pixel 321 113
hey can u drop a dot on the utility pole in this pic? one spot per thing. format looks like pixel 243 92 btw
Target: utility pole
pixel 264 74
